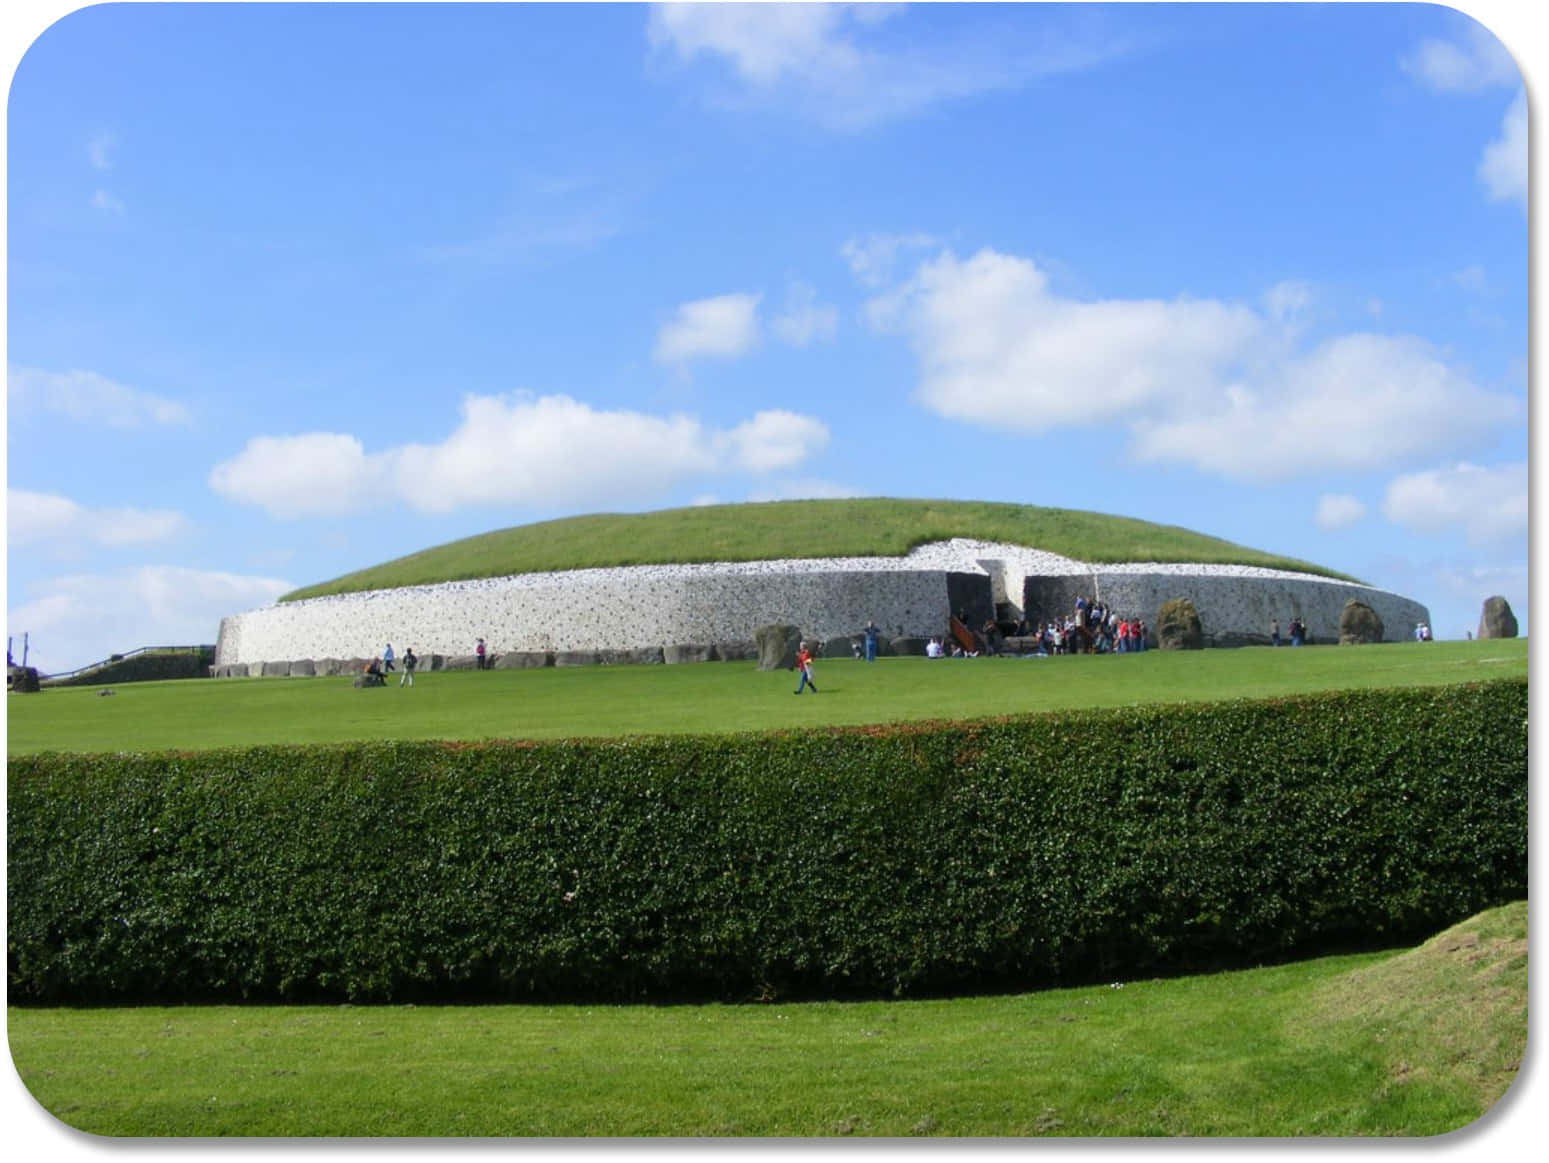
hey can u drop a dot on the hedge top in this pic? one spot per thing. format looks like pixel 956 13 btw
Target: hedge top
pixel 856 527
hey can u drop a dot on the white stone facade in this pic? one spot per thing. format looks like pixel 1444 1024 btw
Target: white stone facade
pixel 654 606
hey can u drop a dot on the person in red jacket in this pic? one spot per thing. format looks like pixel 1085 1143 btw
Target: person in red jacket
pixel 804 665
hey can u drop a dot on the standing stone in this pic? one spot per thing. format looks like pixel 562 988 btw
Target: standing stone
pixel 1496 619
pixel 1178 626
pixel 777 646
pixel 1359 624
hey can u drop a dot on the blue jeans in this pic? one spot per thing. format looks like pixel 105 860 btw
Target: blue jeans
pixel 806 681
pixel 871 650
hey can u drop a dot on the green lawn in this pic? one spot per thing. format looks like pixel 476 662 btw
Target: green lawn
pixel 1415 1042
pixel 711 697
pixel 859 527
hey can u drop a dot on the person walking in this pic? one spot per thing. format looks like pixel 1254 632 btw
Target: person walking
pixel 804 665
pixel 387 659
pixel 478 654
pixel 1274 631
pixel 409 663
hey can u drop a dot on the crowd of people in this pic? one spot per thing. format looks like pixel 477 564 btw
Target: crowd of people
pixel 1091 628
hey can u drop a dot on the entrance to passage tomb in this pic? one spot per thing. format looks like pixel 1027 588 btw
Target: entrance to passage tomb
pixel 971 598
pixel 1005 590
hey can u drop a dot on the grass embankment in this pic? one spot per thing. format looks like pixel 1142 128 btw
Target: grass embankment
pixel 1418 1042
pixel 863 527
pixel 558 703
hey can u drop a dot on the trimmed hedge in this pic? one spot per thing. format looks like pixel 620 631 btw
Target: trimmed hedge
pixel 915 859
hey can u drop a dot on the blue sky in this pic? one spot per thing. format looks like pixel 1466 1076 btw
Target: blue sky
pixel 296 289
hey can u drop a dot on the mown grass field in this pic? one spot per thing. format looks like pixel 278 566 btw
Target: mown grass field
pixel 1407 1042
pixel 1412 1042
pixel 711 697
pixel 860 527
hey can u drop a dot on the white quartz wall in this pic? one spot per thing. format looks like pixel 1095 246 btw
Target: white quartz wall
pixel 626 608
pixel 1241 604
pixel 651 606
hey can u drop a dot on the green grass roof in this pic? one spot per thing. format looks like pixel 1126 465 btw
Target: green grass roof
pixel 860 527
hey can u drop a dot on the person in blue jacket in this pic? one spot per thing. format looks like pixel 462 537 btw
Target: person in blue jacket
pixel 872 633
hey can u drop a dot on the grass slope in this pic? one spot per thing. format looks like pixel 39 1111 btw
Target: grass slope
pixel 864 527
pixel 1418 1042
pixel 712 697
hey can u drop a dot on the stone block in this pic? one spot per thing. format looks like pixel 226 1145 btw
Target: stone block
pixel 777 646
pixel 647 656
pixel 575 658
pixel 907 645
pixel 276 669
pixel 736 651
pixel 688 652
pixel 302 668
pixel 522 660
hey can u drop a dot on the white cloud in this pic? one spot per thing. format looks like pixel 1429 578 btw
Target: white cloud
pixel 91 398
pixel 804 489
pixel 1487 504
pixel 547 214
pixel 764 42
pixel 1212 384
pixel 99 151
pixel 112 204
pixel 1504 167
pixel 1288 302
pixel 872 257
pixel 314 474
pixel 775 440
pixel 1471 278
pixel 722 327
pixel 998 348
pixel 1338 511
pixel 83 618
pixel 44 518
pixel 1480 62
pixel 545 452
pixel 834 64
pixel 804 319
pixel 1481 580
pixel 1357 401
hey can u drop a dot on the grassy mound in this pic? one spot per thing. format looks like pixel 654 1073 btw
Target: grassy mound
pixel 149 665
pixel 863 527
